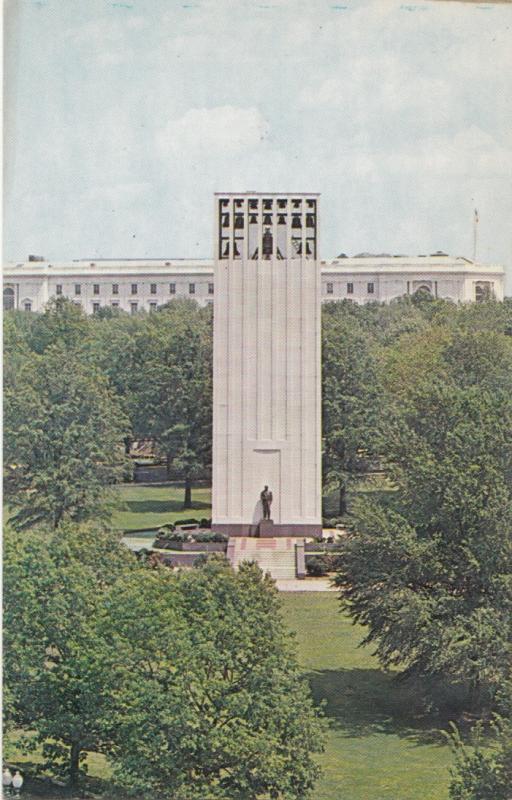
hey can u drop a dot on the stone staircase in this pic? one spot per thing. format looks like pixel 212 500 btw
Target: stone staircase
pixel 277 556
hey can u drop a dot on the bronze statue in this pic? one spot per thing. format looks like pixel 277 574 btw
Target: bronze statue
pixel 266 502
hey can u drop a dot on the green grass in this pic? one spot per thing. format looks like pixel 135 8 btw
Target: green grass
pixel 153 506
pixel 381 746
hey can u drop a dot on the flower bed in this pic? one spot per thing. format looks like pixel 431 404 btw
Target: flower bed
pixel 193 547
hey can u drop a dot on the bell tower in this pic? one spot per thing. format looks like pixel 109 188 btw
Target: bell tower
pixel 266 417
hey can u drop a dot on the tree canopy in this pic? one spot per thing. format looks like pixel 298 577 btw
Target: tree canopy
pixel 188 681
pixel 56 665
pixel 63 433
pixel 209 700
pixel 428 569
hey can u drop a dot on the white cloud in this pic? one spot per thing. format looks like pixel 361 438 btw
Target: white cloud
pixel 207 132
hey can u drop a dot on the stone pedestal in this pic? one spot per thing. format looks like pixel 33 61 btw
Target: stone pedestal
pixel 266 529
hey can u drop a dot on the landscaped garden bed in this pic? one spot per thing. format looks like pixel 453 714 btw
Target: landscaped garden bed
pixel 190 536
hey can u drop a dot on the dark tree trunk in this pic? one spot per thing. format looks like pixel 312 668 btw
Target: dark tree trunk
pixel 57 517
pixel 168 464
pixel 342 503
pixel 74 764
pixel 475 695
pixel 188 493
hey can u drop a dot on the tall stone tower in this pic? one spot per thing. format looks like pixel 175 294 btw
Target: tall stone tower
pixel 266 397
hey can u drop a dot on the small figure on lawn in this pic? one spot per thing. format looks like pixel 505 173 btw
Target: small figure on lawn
pixel 266 502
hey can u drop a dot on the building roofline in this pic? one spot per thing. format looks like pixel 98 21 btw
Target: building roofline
pixel 266 194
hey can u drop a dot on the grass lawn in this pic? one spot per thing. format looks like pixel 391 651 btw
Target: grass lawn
pixel 380 746
pixel 152 506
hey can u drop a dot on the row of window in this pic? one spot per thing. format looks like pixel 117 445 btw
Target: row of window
pixel 134 288
pixel 370 288
pixel 134 307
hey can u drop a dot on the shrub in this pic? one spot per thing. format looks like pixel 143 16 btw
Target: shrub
pixel 485 772
pixel 317 566
pixel 175 536
pixel 191 521
pixel 209 536
pixel 165 529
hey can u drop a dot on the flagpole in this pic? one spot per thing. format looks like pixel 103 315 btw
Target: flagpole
pixel 475 228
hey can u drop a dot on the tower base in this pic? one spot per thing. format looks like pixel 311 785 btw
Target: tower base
pixel 308 531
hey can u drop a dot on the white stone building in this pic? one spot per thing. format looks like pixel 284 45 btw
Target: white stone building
pixel 143 284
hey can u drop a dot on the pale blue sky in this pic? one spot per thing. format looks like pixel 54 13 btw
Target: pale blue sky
pixel 122 119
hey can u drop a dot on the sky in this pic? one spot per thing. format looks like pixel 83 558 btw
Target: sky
pixel 122 119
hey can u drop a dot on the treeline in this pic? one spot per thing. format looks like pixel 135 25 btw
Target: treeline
pixel 420 388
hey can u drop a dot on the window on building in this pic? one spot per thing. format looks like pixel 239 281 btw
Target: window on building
pixel 153 306
pixel 172 288
pixel 134 307
pixel 350 288
pixel 483 291
pixel 27 305
pixel 78 288
pixel 153 288
pixel 134 288
pixel 95 308
pixel 95 288
pixel 191 288
pixel 115 304
pixel 115 288
pixel 330 288
pixel 8 298
pixel 210 288
pixel 58 288
pixel 370 288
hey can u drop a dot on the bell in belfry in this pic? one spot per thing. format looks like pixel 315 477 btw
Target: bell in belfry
pixel 267 243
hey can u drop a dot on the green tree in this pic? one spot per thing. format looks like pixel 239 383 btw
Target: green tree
pixel 352 401
pixel 63 437
pixel 429 571
pixel 55 662
pixel 210 704
pixel 62 322
pixel 171 387
pixel 485 771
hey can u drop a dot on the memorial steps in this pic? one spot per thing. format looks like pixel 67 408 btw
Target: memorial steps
pixel 274 555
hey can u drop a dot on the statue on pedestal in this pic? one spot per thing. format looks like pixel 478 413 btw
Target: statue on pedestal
pixel 266 502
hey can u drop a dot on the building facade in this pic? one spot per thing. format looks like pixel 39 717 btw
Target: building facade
pixel 136 285
pixel 266 373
